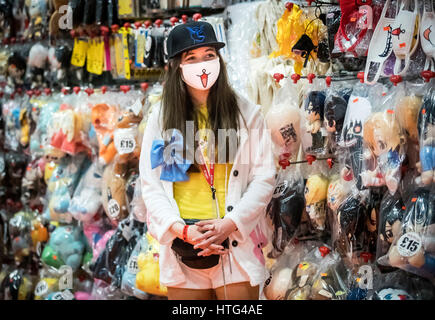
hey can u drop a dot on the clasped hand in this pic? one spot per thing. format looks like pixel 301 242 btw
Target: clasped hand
pixel 209 234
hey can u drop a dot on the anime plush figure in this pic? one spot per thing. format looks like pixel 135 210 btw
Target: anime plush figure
pixel 351 219
pixel 39 140
pixel 20 226
pixel 67 245
pixel 316 190
pixel 284 123
pixel 37 60
pixel 314 111
pixel 38 17
pixel 16 163
pixel 426 131
pixel 104 119
pixel 390 217
pixel 148 277
pixel 16 69
pixel 61 186
pixel 335 194
pixel 59 58
pixel 416 245
pixel 65 130
pixel 383 137
pixel 87 196
pixel 334 113
pixel 33 185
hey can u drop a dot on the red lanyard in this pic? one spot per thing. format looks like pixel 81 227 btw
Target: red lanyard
pixel 208 173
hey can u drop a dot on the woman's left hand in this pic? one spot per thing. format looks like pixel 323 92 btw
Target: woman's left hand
pixel 215 231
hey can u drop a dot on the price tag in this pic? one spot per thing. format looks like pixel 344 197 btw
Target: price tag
pixel 124 141
pixel 58 296
pixel 41 288
pixel 78 56
pixel 67 295
pixel 325 294
pixel 132 266
pixel 113 208
pixel 136 107
pixel 280 189
pixel 409 244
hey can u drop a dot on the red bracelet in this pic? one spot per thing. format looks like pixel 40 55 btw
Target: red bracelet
pixel 185 232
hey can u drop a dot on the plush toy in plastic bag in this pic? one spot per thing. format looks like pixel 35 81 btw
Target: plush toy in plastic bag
pixel 18 285
pixel 33 186
pixel 281 274
pixel 286 208
pixel 384 141
pixel 413 249
pixel 20 226
pixel 316 189
pixel 67 245
pixel 128 285
pixel 426 131
pixel 148 277
pixel 104 119
pixel 314 107
pixel 390 217
pixel 87 196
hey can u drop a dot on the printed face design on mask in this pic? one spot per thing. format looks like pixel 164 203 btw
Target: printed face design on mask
pixel 202 75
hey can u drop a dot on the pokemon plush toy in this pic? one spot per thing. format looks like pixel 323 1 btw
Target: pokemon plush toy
pixel 147 279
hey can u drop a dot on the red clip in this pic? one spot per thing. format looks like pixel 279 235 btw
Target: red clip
pixel 427 75
pixel 324 251
pixel 127 25
pixel 76 90
pixel 197 16
pixel 1 94
pixel 89 91
pixel 137 24
pixel 366 256
pixel 330 162
pixel 37 92
pixel 103 89
pixel 144 86
pixel 311 77
pixel 114 28
pixel 184 18
pixel 73 33
pixel 64 91
pixel 124 88
pixel 278 77
pixel 395 79
pixel 360 76
pixel 158 22
pixel 104 30
pixel 13 40
pixel 47 91
pixel 310 159
pixel 309 2
pixel 148 23
pixel 29 93
pixel 295 77
pixel 289 6
pixel 283 160
pixel 19 91
pixel 173 20
pixel 328 80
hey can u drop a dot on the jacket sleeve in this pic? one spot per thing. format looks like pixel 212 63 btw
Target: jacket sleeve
pixel 248 212
pixel 162 213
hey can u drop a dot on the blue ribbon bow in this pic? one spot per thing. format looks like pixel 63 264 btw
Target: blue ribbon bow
pixel 169 156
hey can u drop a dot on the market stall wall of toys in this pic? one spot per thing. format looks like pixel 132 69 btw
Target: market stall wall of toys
pixel 346 88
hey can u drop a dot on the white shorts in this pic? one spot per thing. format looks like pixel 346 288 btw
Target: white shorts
pixel 212 278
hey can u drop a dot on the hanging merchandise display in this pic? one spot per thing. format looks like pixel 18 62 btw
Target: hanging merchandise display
pixel 347 92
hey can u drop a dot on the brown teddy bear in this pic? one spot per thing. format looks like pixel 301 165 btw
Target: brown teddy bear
pixel 55 17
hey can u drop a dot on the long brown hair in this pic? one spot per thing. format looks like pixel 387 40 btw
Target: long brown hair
pixel 177 106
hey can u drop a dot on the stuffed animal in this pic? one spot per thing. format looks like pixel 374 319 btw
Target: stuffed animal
pixel 87 196
pixel 67 245
pixel 104 119
pixel 59 58
pixel 148 277
pixel 316 190
pixel 36 62
pixel 20 233
pixel 17 285
pixel 113 196
pixel 61 187
pixel 426 131
pixel 16 69
pixel 383 137
pixel 38 18
pixel 33 185
pixel 38 140
pixel 314 113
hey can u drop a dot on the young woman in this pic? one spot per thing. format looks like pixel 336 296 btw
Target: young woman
pixel 208 214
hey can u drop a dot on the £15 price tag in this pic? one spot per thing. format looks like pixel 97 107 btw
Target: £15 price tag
pixel 409 244
pixel 280 189
pixel 132 266
pixel 124 141
pixel 41 288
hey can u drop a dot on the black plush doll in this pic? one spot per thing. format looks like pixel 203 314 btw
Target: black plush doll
pixel 335 111
pixel 314 110
pixel 16 69
pixel 352 136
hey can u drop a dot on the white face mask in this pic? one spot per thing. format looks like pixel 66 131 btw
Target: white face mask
pixel 202 75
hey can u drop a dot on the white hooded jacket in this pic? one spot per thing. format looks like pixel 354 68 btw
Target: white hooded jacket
pixel 250 188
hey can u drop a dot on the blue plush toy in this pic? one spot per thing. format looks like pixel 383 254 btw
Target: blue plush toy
pixel 67 246
pixel 61 186
pixel 38 139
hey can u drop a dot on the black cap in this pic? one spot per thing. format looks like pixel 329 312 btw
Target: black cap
pixel 190 36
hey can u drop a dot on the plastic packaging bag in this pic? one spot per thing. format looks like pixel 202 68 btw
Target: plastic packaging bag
pixel 286 208
pixel 362 277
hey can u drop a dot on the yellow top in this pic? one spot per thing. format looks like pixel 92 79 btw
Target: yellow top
pixel 194 197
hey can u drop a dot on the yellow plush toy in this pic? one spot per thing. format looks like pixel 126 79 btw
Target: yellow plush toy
pixel 316 190
pixel 148 278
